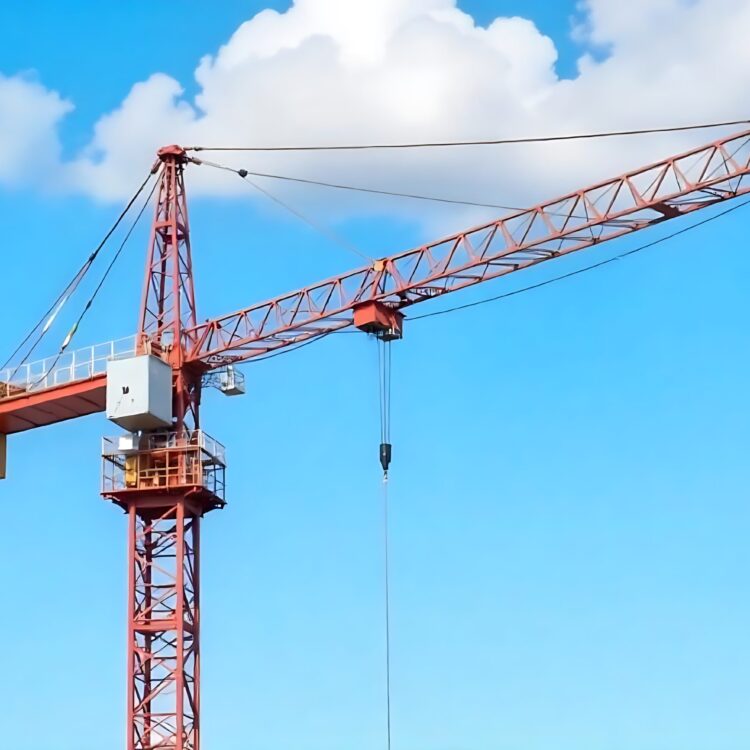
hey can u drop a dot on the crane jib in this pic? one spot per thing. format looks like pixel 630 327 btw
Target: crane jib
pixel 668 189
pixel 372 297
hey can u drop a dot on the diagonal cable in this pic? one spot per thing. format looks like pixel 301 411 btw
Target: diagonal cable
pixel 46 320
pixel 323 230
pixel 71 333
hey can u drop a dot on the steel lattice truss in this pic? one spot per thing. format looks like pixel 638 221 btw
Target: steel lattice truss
pixel 163 627
pixel 168 295
pixel 633 201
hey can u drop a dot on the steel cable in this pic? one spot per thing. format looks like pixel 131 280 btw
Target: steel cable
pixel 384 384
pixel 488 142
pixel 71 333
pixel 62 298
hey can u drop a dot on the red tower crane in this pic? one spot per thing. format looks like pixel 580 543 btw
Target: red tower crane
pixel 166 473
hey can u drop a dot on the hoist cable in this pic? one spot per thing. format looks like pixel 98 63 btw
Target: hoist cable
pixel 72 332
pixel 385 351
pixel 381 390
pixel 492 142
pixel 48 317
pixel 387 594
pixel 384 394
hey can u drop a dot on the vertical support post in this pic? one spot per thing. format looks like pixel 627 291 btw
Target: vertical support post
pixel 3 455
pixel 179 615
pixel 196 651
pixel 131 610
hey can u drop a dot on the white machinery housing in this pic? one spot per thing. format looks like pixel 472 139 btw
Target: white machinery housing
pixel 139 393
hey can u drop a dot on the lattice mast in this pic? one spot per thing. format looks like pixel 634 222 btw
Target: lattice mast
pixel 165 492
pixel 168 299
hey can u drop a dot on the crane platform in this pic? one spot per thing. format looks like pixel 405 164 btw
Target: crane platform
pixel 54 389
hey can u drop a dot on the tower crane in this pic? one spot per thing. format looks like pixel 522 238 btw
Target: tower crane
pixel 166 473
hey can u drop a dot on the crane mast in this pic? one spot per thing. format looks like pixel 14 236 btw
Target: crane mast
pixel 166 473
pixel 168 301
pixel 166 479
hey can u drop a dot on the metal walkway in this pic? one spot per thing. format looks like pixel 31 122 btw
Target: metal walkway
pixel 69 367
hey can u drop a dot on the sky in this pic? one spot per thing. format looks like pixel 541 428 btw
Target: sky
pixel 568 493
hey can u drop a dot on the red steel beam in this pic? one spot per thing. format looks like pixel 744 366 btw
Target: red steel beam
pixel 625 204
pixel 57 404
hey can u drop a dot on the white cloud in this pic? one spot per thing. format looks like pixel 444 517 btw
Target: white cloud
pixel 125 141
pixel 331 71
pixel 625 23
pixel 29 115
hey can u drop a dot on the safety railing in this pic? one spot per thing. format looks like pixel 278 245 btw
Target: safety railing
pixel 68 367
pixel 163 461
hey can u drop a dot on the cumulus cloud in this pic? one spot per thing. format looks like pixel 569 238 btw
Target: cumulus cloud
pixel 328 71
pixel 29 115
pixel 332 71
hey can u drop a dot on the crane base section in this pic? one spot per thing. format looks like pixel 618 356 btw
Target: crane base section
pixel 165 482
pixel 163 622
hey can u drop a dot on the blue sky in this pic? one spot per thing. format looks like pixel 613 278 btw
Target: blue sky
pixel 569 514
